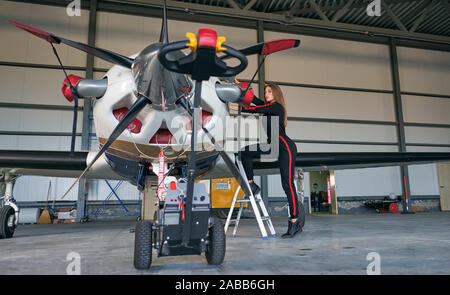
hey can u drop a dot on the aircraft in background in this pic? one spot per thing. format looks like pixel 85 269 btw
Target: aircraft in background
pixel 160 113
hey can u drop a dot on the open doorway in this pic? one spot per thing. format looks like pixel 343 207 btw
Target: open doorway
pixel 322 187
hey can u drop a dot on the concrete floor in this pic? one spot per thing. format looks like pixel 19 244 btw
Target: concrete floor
pixel 407 244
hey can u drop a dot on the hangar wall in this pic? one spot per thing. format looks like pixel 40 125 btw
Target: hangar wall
pixel 326 79
pixel 33 112
pixel 322 63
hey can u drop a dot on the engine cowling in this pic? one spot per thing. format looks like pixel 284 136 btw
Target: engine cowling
pixel 234 93
pixel 83 87
pixel 65 89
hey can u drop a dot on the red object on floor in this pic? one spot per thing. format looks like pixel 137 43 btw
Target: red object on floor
pixel 393 208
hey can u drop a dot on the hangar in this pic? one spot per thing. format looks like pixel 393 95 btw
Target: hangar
pixel 358 82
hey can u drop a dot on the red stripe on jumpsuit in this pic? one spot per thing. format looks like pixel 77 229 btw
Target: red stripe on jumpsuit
pixel 255 107
pixel 290 182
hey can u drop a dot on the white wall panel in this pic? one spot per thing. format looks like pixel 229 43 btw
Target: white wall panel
pixel 125 34
pixel 38 120
pixel 20 46
pixel 426 71
pixel 427 135
pixel 35 188
pixel 325 103
pixel 428 149
pixel 315 147
pixel 33 86
pixel 368 182
pixel 274 186
pixel 99 191
pixel 423 178
pixel 426 109
pixel 340 131
pixel 27 142
pixel 330 62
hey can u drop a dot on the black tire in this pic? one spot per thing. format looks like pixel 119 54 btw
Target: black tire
pixel 143 245
pixel 6 231
pixel 215 249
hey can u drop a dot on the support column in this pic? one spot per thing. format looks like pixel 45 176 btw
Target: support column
pixel 83 186
pixel 407 208
pixel 261 83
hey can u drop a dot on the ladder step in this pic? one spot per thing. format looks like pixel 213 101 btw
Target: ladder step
pixel 265 218
pixel 242 200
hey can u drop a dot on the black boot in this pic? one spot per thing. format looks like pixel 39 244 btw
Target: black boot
pixel 293 228
pixel 255 188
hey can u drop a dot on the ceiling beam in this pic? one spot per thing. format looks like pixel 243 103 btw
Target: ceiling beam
pixel 232 4
pixel 342 11
pixel 250 5
pixel 272 22
pixel 446 5
pixel 318 10
pixel 334 6
pixel 396 20
pixel 422 16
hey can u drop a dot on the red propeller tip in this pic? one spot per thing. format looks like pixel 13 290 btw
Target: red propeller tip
pixel 39 33
pixel 279 45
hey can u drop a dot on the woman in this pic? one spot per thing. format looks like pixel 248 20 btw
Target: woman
pixel 274 106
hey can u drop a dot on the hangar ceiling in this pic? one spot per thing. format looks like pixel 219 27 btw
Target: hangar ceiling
pixel 413 23
pixel 421 16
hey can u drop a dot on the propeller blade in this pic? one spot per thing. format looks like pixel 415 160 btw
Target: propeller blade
pixel 104 54
pixel 123 124
pixel 279 45
pixel 269 47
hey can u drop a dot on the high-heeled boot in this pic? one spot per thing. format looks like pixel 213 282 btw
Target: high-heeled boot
pixel 293 228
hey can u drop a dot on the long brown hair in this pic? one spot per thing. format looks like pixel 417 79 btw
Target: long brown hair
pixel 278 96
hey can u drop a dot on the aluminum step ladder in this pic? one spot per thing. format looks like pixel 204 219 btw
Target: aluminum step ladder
pixel 254 201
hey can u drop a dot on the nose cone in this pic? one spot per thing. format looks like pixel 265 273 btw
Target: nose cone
pixel 161 86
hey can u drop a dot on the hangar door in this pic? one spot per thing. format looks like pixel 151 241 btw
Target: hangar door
pixel 444 185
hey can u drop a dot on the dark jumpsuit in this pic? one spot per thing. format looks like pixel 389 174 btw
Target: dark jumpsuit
pixel 286 154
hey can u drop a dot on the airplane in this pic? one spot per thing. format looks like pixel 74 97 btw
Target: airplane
pixel 161 107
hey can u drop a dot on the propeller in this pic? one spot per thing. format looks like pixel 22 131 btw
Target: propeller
pixel 269 47
pixel 104 54
pixel 123 124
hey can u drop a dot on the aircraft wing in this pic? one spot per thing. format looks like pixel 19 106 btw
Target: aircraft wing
pixel 55 164
pixel 339 161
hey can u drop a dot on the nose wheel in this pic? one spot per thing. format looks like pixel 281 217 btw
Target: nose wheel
pixel 215 245
pixel 7 222
pixel 143 244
